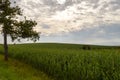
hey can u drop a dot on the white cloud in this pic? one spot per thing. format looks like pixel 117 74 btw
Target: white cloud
pixel 61 1
pixel 75 16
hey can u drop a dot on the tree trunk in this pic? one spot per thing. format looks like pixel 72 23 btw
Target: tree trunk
pixel 5 47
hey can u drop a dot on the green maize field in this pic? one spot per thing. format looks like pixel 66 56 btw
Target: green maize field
pixel 70 61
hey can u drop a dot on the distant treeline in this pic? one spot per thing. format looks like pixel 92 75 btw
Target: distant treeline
pixel 89 47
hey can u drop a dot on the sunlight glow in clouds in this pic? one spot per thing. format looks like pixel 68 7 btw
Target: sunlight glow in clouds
pixel 71 15
pixel 61 1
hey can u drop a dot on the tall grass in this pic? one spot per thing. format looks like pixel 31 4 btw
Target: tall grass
pixel 70 62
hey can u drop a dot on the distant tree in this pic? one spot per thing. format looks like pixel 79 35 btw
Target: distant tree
pixel 14 27
pixel 86 47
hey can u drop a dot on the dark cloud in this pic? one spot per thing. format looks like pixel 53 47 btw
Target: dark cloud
pixel 35 5
pixel 50 2
pixel 45 26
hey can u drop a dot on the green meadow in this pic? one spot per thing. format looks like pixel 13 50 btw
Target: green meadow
pixel 16 70
pixel 65 61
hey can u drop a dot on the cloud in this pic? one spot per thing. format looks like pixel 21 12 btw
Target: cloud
pixel 61 1
pixel 103 35
pixel 71 15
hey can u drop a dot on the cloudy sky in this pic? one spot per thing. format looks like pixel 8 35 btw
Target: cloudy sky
pixel 75 21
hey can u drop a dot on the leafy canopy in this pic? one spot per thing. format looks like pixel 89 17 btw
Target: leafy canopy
pixel 12 25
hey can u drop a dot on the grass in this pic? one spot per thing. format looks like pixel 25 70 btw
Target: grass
pixel 69 61
pixel 15 70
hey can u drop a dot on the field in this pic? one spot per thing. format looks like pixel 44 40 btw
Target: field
pixel 70 61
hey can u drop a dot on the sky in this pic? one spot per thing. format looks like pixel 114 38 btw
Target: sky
pixel 75 21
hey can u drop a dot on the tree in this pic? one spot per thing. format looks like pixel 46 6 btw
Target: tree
pixel 16 28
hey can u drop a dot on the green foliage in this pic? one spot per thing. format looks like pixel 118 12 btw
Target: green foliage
pixel 86 47
pixel 70 62
pixel 11 25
